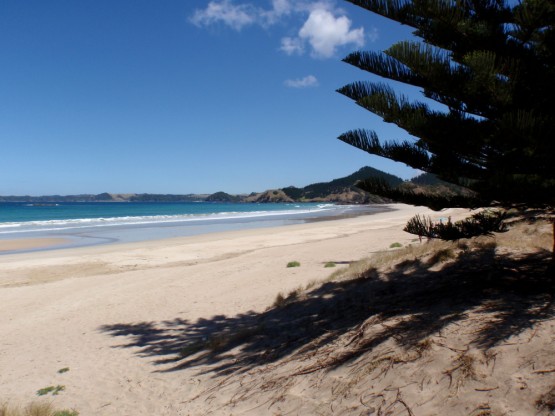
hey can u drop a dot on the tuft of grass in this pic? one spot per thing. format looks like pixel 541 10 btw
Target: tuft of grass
pixel 441 255
pixel 329 264
pixel 395 245
pixel 280 300
pixel 292 296
pixel 35 409
pixel 63 370
pixel 51 389
pixel 293 264
pixel 66 413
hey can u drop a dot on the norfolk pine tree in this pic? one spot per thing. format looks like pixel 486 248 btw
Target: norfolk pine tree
pixel 491 63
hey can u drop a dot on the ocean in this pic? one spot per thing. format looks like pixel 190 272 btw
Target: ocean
pixel 104 222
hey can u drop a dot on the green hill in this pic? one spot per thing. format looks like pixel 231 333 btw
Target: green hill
pixel 223 197
pixel 340 186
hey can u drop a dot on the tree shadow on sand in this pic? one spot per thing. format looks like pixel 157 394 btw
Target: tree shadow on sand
pixel 415 298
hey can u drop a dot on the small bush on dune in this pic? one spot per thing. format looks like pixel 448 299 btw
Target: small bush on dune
pixel 66 413
pixel 51 389
pixel 395 245
pixel 329 264
pixel 293 264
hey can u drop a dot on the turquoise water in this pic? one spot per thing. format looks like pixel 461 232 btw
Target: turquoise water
pixel 83 224
pixel 20 217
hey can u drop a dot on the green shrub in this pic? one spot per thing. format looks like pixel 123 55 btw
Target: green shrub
pixel 51 389
pixel 395 245
pixel 329 264
pixel 66 413
pixel 293 264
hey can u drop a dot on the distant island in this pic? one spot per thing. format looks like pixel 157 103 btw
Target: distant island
pixel 342 190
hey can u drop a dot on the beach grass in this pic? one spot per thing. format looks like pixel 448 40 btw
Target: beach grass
pixel 35 409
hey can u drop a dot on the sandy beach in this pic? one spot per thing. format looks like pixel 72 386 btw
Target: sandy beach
pixel 62 309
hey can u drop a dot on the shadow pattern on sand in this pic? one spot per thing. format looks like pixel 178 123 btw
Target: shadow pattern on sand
pixel 517 291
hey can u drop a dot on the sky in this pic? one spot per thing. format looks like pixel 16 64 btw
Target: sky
pixel 182 96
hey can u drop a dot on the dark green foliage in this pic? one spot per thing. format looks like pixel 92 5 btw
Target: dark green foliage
pixel 293 192
pixel 428 179
pixel 491 63
pixel 435 201
pixel 51 389
pixel 483 223
pixel 66 413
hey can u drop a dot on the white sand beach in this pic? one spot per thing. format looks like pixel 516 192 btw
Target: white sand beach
pixel 56 306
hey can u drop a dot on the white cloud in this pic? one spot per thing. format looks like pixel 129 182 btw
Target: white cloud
pixel 238 16
pixel 279 9
pixel 308 81
pixel 326 32
pixel 292 46
pixel 325 29
pixel 224 11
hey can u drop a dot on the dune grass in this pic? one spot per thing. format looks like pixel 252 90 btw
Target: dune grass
pixel 35 409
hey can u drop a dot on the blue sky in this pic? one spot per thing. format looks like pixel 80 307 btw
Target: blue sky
pixel 182 96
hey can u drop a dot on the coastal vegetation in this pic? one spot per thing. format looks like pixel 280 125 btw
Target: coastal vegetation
pixel 55 390
pixel 35 409
pixel 489 67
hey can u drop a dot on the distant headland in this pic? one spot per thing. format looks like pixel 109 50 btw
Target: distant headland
pixel 341 190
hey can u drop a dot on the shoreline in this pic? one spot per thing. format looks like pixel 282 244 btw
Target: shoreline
pixel 30 241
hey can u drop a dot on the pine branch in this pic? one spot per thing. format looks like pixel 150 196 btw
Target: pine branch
pixel 432 201
pixel 383 65
pixel 483 223
pixel 403 152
